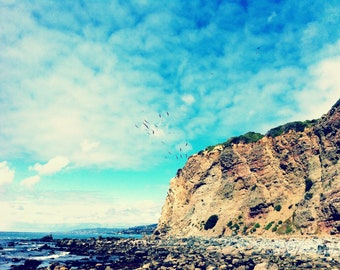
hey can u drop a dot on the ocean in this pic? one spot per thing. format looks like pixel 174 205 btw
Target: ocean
pixel 17 247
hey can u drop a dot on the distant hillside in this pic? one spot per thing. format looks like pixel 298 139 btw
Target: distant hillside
pixel 142 229
pixel 285 182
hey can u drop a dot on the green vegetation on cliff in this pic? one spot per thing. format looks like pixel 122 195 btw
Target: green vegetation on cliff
pixel 251 137
pixel 298 126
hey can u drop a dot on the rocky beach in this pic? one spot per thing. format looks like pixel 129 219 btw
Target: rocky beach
pixel 236 252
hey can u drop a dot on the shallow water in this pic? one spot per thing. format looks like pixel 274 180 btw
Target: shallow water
pixel 16 247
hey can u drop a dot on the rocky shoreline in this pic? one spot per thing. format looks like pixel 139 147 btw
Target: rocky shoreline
pixel 241 253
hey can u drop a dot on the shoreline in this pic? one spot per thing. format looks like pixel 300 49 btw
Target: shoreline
pixel 234 252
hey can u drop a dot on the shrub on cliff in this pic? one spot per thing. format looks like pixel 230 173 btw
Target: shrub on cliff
pixel 268 226
pixel 249 137
pixel 210 148
pixel 308 196
pixel 278 208
pixel 211 222
pixel 298 126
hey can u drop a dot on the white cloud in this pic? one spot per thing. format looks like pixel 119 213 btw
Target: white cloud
pixel 71 83
pixel 29 182
pixel 6 174
pixel 188 99
pixel 76 208
pixel 87 146
pixel 53 166
pixel 322 91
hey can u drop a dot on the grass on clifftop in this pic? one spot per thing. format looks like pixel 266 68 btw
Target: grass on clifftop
pixel 298 126
pixel 251 137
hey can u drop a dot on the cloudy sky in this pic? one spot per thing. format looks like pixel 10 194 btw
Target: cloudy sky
pixel 102 101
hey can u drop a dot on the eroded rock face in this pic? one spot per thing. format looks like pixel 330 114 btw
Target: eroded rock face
pixel 288 184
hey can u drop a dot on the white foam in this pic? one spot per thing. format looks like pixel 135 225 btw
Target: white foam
pixel 52 256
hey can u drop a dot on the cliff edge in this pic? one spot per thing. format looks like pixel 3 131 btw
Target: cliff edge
pixel 286 182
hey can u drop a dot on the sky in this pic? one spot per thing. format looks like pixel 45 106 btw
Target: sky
pixel 102 101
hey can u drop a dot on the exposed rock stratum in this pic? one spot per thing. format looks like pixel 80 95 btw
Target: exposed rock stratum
pixel 278 185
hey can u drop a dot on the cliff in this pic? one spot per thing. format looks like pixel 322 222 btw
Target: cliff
pixel 286 182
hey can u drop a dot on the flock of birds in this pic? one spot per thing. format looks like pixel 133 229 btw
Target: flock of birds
pixel 151 128
pixel 155 129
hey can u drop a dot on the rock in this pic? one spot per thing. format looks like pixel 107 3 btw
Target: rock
pixel 266 266
pixel 146 266
pixel 322 249
pixel 229 250
pixel 203 253
pixel 31 264
pixel 11 244
pixel 45 247
pixel 47 238
pixel 63 267
pixel 286 183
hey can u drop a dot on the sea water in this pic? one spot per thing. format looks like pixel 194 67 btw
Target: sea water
pixel 16 247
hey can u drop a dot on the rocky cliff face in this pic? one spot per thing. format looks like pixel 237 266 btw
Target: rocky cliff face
pixel 286 184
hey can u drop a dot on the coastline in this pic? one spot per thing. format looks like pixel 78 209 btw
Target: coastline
pixel 242 253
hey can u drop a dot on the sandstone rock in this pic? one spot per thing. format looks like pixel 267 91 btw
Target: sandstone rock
pixel 266 266
pixel 228 250
pixel 60 267
pixel 146 266
pixel 285 184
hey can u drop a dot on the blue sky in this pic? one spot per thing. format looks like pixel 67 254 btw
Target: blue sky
pixel 102 101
